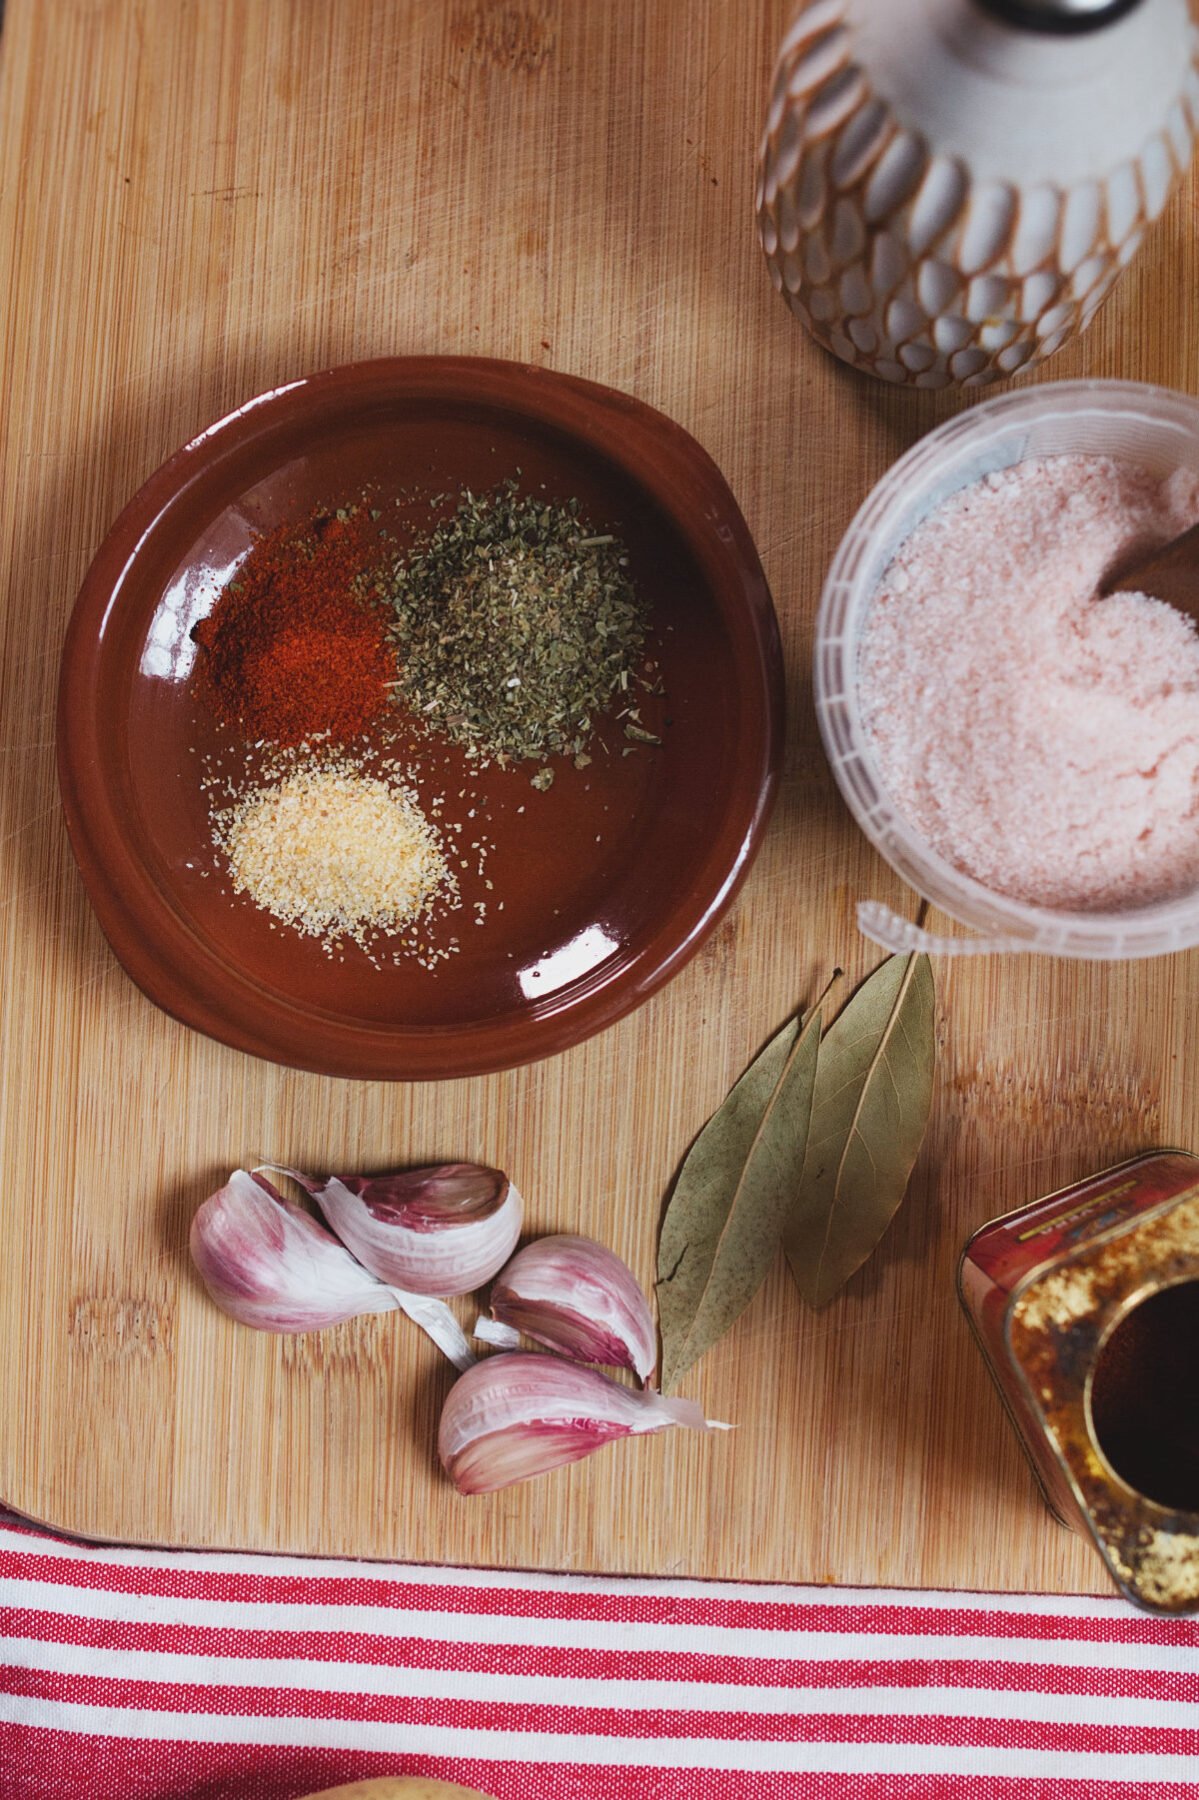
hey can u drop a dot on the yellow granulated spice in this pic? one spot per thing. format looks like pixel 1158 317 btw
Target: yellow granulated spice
pixel 334 853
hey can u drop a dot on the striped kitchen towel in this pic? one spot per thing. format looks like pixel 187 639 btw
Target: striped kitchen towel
pixel 144 1675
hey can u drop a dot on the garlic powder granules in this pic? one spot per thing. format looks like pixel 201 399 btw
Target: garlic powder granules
pixel 334 853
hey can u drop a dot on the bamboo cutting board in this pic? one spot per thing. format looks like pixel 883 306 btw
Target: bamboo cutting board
pixel 198 202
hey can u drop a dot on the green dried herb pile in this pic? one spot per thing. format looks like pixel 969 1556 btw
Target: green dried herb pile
pixel 516 626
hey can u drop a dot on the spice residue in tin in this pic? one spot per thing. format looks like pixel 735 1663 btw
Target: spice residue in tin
pixel 1059 1299
pixel 1166 1565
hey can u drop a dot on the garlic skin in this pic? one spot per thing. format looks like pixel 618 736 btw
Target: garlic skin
pixel 271 1265
pixel 437 1322
pixel 446 1229
pixel 579 1299
pixel 521 1414
pixel 500 1337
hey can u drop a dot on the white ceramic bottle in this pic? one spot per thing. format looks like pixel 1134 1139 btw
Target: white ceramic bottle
pixel 948 189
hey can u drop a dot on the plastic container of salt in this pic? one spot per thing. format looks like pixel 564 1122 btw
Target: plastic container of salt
pixel 1156 428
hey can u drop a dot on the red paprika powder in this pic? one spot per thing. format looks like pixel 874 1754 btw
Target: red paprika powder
pixel 291 651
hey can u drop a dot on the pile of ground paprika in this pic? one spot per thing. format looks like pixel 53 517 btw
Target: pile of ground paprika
pixel 293 650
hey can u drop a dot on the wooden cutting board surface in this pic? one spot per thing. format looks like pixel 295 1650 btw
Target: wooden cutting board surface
pixel 198 201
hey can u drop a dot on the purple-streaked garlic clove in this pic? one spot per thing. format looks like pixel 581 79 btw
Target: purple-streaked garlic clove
pixel 521 1414
pixel 441 1230
pixel 579 1299
pixel 269 1264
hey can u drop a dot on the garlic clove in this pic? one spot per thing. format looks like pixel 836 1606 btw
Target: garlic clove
pixel 271 1265
pixel 268 1263
pixel 441 1230
pixel 579 1299
pixel 517 1415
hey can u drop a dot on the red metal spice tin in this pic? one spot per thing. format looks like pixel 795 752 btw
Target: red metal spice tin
pixel 1086 1306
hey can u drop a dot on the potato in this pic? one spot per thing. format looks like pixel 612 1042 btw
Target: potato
pixel 399 1787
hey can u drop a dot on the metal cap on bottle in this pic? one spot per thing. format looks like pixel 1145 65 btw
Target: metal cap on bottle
pixel 1059 15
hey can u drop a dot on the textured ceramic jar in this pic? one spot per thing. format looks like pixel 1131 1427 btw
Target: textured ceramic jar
pixel 948 189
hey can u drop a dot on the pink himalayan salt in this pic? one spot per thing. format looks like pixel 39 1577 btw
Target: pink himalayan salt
pixel 1040 739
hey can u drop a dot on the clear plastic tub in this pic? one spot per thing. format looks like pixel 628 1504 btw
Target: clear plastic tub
pixel 1149 425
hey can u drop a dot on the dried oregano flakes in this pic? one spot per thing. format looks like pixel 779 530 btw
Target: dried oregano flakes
pixel 516 625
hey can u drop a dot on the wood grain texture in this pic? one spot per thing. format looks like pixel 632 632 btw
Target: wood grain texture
pixel 202 198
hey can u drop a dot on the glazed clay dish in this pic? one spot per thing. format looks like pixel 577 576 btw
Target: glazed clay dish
pixel 609 880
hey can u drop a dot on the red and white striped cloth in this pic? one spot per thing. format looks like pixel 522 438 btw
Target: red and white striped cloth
pixel 142 1675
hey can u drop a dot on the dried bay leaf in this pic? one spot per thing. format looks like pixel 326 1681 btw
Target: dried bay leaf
pixel 873 1091
pixel 724 1223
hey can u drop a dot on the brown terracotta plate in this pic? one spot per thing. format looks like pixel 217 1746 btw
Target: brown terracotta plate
pixel 609 881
